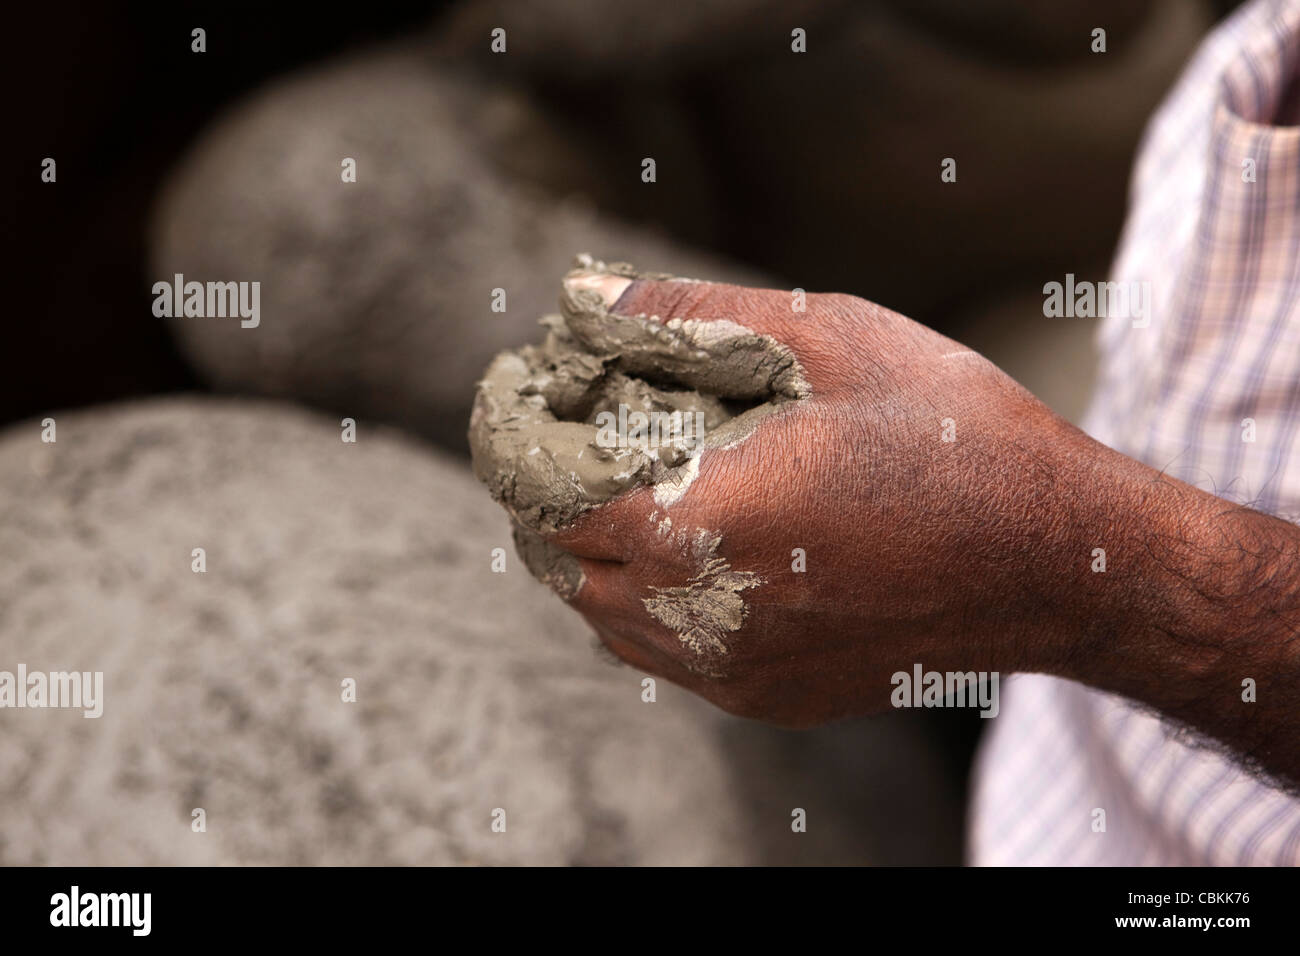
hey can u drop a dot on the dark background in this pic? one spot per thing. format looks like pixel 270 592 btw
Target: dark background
pixel 113 93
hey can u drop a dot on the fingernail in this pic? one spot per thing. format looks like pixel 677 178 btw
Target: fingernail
pixel 610 287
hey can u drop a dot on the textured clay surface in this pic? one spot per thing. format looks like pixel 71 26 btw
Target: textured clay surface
pixel 325 561
pixel 474 690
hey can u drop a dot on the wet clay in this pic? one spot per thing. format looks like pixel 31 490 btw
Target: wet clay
pixel 710 604
pixel 534 433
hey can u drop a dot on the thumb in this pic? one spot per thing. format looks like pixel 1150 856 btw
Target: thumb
pixel 658 323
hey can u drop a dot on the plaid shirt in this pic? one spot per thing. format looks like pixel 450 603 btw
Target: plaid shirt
pixel 1222 255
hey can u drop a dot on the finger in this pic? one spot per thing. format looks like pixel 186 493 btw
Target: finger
pixel 603 588
pixel 616 599
pixel 816 329
pixel 651 660
pixel 625 650
pixel 615 531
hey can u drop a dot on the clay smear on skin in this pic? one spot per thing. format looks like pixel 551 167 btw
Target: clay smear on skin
pixel 703 612
pixel 534 439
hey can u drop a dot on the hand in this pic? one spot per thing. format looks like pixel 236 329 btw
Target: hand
pixel 949 519
pixel 913 481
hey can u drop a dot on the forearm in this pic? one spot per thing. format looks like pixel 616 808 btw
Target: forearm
pixel 1198 597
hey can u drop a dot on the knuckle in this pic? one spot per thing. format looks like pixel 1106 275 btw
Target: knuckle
pixel 740 701
pixel 668 299
pixel 842 305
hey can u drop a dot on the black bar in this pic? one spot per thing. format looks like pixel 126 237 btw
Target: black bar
pixel 332 906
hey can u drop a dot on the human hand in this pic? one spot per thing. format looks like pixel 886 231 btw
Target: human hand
pixel 915 479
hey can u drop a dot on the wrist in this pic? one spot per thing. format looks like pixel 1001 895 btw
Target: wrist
pixel 1170 595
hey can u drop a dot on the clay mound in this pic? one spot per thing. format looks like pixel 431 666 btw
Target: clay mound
pixel 377 295
pixel 475 690
pixel 325 560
